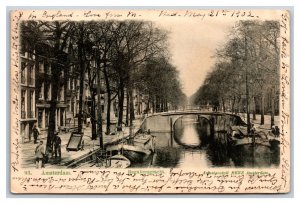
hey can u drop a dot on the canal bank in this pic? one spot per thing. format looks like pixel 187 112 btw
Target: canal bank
pixel 27 149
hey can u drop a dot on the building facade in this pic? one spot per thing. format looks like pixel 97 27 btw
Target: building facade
pixel 27 95
pixel 36 85
pixel 44 94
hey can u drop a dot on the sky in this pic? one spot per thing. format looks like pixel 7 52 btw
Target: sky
pixel 192 45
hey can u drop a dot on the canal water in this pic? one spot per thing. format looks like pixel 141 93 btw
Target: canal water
pixel 192 145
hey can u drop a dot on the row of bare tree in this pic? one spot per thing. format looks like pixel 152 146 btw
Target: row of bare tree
pixel 246 71
pixel 122 55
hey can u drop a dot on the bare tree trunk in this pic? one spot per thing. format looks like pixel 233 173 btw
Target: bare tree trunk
pixel 131 107
pixel 100 132
pixel 55 79
pixel 93 117
pixel 52 111
pixel 127 109
pixel 108 91
pixel 153 105
pixel 272 109
pixel 166 106
pixel 232 106
pixel 121 104
pixel 237 108
pixel 81 66
pixel 254 109
pixel 159 105
pixel 262 112
pixel 58 65
pixel 148 106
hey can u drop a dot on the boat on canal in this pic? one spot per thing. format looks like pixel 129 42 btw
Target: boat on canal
pixel 119 161
pixel 136 149
pixel 239 136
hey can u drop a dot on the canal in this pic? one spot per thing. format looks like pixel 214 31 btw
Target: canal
pixel 192 145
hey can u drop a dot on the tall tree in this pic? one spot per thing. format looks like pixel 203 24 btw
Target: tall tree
pixel 252 69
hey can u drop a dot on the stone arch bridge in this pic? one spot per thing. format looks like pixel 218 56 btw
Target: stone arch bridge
pixel 164 122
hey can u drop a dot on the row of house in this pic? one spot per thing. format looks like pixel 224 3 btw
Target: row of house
pixel 35 95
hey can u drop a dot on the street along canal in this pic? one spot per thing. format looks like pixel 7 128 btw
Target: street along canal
pixel 192 145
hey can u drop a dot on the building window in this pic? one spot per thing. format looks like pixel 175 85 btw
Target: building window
pixel 23 98
pixel 23 72
pixel 50 69
pixel 48 94
pixel 68 106
pixel 73 107
pixel 40 118
pixel 69 84
pixel 41 92
pixel 62 93
pixel 31 75
pixel 41 67
pixel 23 130
pixel 31 105
pixel 46 118
pixel 47 67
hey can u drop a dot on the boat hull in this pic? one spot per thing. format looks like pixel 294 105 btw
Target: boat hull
pixel 119 161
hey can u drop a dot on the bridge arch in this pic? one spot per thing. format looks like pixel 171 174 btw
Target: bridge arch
pixel 164 122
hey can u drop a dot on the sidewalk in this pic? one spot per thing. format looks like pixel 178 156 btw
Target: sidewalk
pixel 27 149
pixel 256 122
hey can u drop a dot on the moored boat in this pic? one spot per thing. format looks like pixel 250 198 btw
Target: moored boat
pixel 119 161
pixel 136 150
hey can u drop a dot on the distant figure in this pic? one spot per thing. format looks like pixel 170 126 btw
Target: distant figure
pixel 35 133
pixel 39 155
pixel 252 129
pixel 57 146
pixel 275 130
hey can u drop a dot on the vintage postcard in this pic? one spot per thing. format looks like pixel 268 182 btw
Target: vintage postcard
pixel 150 101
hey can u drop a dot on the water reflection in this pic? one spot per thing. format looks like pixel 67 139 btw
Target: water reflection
pixel 192 139
pixel 259 156
pixel 192 145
